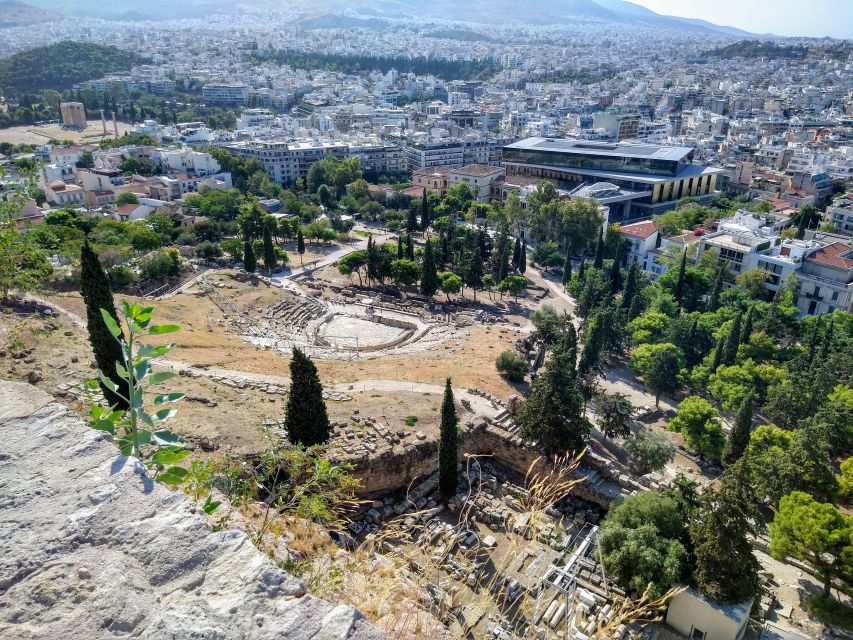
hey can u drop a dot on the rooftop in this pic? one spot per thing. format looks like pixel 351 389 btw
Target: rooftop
pixel 627 149
pixel 642 229
pixel 837 255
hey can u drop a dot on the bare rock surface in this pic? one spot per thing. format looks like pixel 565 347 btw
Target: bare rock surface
pixel 91 548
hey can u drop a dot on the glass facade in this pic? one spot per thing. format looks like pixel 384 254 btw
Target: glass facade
pixel 594 162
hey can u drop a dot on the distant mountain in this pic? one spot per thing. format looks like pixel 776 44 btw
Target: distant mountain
pixel 338 13
pixel 332 21
pixel 20 14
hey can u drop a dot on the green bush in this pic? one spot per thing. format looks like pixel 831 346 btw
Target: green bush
pixel 512 365
pixel 120 276
pixel 831 611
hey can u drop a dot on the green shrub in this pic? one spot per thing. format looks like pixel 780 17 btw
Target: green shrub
pixel 512 365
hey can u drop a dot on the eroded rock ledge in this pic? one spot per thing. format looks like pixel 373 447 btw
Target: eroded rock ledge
pixel 90 548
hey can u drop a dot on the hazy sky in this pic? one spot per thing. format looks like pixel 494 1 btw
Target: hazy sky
pixel 784 17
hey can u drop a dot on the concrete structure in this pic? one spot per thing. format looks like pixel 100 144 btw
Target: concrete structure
pixel 841 214
pixel 227 94
pixel 478 178
pixel 662 174
pixel 132 557
pixel 700 618
pixel 826 280
pixel 640 237
pixel 285 162
pixel 73 115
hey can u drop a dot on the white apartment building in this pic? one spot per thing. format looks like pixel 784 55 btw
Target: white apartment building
pixel 229 94
pixel 841 214
pixel 430 154
pixel 186 160
pixel 285 162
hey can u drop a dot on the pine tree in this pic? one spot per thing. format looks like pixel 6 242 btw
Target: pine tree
pixel 399 247
pixel 269 251
pixel 739 436
pixel 95 289
pixel 632 284
pixel 747 327
pixel 249 262
pixel 615 274
pixel 567 269
pixel 522 261
pixel 582 270
pixel 732 341
pixel 516 254
pixel 300 244
pixel 714 300
pixel 718 354
pixel 682 272
pixel 412 222
pixel 598 262
pixel 425 213
pixel 429 273
pixel 448 447
pixel 305 418
pixel 410 248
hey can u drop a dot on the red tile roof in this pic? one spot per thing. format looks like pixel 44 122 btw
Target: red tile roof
pixel 642 229
pixel 837 255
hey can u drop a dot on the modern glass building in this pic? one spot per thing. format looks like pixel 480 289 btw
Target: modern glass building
pixel 656 176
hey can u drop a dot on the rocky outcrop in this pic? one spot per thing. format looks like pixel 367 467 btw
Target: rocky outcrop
pixel 91 548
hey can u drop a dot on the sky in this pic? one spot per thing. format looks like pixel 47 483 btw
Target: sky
pixel 816 18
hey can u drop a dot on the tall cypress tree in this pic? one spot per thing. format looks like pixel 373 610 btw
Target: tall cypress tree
pixel 410 248
pixel 522 260
pixel 714 300
pixel 747 327
pixel 516 254
pixel 718 354
pixel 429 274
pixel 269 250
pixel 448 447
pixel 636 308
pixel 682 272
pixel 300 244
pixel 305 417
pixel 598 262
pixel 632 283
pixel 249 262
pixel 615 274
pixel 95 289
pixel 582 270
pixel 732 341
pixel 425 213
pixel 567 268
pixel 739 436
pixel 399 247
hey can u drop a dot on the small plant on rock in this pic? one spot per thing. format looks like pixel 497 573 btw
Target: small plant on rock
pixel 138 429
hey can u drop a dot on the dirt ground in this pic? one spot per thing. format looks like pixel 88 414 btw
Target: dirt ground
pixel 32 134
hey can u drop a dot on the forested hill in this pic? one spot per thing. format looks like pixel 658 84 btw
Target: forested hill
pixel 63 64
pixel 757 49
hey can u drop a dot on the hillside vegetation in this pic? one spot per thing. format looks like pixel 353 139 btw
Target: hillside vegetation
pixel 757 49
pixel 61 65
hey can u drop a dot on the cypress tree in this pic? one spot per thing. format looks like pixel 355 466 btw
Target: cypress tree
pixel 747 327
pixel 269 251
pixel 305 417
pixel 516 254
pixel 95 289
pixel 739 436
pixel 615 274
pixel 718 355
pixel 410 248
pixel 582 270
pixel 429 274
pixel 632 283
pixel 827 340
pixel 249 262
pixel 714 300
pixel 598 262
pixel 636 308
pixel 372 259
pixel 399 247
pixel 732 341
pixel 522 261
pixel 425 214
pixel 448 447
pixel 567 269
pixel 679 284
pixel 300 244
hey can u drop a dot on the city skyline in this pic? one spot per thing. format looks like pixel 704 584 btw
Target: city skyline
pixel 780 17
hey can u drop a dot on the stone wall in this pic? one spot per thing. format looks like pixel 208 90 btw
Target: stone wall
pixel 92 548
